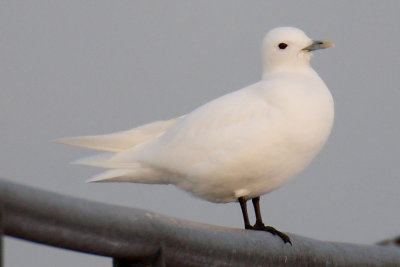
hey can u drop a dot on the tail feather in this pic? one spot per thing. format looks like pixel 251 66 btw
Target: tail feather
pixel 122 169
pixel 140 175
pixel 117 175
pixel 106 162
pixel 117 142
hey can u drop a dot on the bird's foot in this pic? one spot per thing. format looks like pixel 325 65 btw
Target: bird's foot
pixel 261 227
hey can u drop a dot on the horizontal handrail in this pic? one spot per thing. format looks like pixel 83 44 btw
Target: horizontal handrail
pixel 133 234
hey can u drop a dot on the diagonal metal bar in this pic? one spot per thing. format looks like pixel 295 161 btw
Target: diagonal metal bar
pixel 135 235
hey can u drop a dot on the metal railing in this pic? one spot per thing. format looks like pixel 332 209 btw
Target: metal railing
pixel 135 237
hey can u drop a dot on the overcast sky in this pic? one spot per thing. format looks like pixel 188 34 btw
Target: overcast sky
pixel 72 68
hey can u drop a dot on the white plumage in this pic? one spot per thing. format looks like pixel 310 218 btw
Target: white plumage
pixel 244 144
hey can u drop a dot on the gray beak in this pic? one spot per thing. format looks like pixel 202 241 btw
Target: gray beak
pixel 318 45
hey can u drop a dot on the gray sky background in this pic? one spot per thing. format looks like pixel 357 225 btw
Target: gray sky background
pixel 72 68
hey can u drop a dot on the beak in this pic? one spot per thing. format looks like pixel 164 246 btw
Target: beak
pixel 318 45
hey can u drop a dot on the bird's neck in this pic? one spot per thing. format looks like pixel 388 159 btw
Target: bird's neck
pixel 294 71
pixel 290 62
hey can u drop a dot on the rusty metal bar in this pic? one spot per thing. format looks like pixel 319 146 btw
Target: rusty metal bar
pixel 134 236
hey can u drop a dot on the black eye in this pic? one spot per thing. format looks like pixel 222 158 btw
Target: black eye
pixel 282 45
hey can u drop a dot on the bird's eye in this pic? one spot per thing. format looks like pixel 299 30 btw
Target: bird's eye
pixel 282 46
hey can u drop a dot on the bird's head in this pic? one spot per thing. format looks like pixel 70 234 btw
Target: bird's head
pixel 288 48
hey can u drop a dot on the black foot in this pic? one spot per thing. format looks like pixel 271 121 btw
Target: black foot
pixel 270 229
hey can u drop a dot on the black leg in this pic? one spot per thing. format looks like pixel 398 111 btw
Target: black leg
pixel 256 205
pixel 259 225
pixel 243 206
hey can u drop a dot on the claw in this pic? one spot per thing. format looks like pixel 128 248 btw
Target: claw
pixel 261 227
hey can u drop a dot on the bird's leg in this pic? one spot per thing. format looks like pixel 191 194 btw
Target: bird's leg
pixel 256 205
pixel 259 225
pixel 243 206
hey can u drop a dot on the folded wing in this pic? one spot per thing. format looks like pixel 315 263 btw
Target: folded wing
pixel 119 141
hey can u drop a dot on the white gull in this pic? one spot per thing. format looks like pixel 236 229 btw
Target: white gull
pixel 237 147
